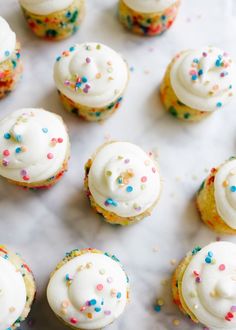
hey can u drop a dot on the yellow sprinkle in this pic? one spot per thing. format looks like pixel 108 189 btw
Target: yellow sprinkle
pixel 176 323
pixel 173 262
pixel 160 302
pixel 65 304
pixel 98 75
pixel 225 183
pixel 90 315
pixel 63 311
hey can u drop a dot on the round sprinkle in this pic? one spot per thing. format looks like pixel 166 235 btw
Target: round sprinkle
pixel 160 302
pixel 219 104
pixel 45 130
pixel 60 140
pixel 23 173
pixel 18 150
pixel 157 308
pixel 144 179
pixel 93 302
pixel 222 267
pixel 84 79
pixel 176 323
pixel 50 155
pixel 65 304
pixel 127 161
pixel 210 254
pixel 118 296
pixel 208 260
pixel 7 53
pixel 99 287
pixel 129 189
pixel 26 177
pixel 88 60
pixel 7 136
pixel 233 188
pixel 107 312
pixel 73 320
pixel 5 162
pixel 97 309
pixel 6 153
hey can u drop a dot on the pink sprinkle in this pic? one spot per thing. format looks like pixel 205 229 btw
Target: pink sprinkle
pixel 85 90
pixel 26 177
pixel 60 140
pixel 233 309
pixel 82 309
pixel 144 179
pixel 99 287
pixel 222 267
pixel 50 155
pixel 127 161
pixel 5 162
pixel 154 170
pixel 204 54
pixel 193 72
pixel 88 60
pixel 66 83
pixel 73 320
pixel 195 273
pixel 6 153
pixel 23 172
pixel 107 312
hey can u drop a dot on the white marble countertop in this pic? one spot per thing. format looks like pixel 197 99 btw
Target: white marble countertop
pixel 42 226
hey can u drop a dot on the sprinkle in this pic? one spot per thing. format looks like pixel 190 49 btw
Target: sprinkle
pixel 88 60
pixel 92 302
pixel 108 173
pixel 99 287
pixel 50 155
pixel 118 296
pixel 160 302
pixel 233 188
pixel 233 309
pixel 109 280
pixel 5 162
pixel 45 130
pixel 68 278
pixel 129 189
pixel 84 79
pixel 60 140
pixel 7 53
pixel 58 58
pixel 127 161
pixel 225 183
pixel 18 138
pixel 222 267
pixel 18 150
pixel 89 315
pixel 144 179
pixel 194 77
pixel 176 323
pixel 210 254
pixel 107 312
pixel 97 309
pixel 208 260
pixel 7 136
pixel 102 271
pixel 23 172
pixel 204 54
pixel 157 308
pixel 6 153
pixel 98 75
pixel 71 49
pixel 200 72
pixel 26 178
pixel 73 320
pixel 65 304
pixel 111 201
pixel 219 104
pixel 198 279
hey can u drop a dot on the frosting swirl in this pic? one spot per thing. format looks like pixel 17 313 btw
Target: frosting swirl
pixel 123 179
pixel 225 192
pixel 45 7
pixel 89 291
pixel 149 6
pixel 91 74
pixel 209 285
pixel 33 146
pixel 11 304
pixel 7 40
pixel 203 79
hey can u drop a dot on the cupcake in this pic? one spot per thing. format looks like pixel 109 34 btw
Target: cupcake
pixel 10 63
pixel 122 182
pixel 88 290
pixel 34 148
pixel 149 18
pixel 216 199
pixel 17 289
pixel 53 19
pixel 204 285
pixel 197 83
pixel 91 79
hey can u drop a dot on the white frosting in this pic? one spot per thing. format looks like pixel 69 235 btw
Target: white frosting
pixel 105 73
pixel 7 40
pixel 149 6
pixel 12 294
pixel 94 278
pixel 225 192
pixel 45 7
pixel 124 180
pixel 215 296
pixel 203 79
pixel 28 153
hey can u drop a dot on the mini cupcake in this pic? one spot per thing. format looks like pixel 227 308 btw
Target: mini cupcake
pixel 17 289
pixel 34 148
pixel 53 19
pixel 197 83
pixel 88 290
pixel 122 182
pixel 91 79
pixel 216 199
pixel 150 18
pixel 204 285
pixel 10 64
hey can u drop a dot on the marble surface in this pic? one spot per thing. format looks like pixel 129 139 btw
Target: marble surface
pixel 42 226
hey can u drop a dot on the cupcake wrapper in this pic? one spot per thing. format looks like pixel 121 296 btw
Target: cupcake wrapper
pixel 111 217
pixel 10 72
pixel 173 105
pixel 44 184
pixel 28 277
pixel 207 207
pixel 177 288
pixel 90 114
pixel 59 25
pixel 147 24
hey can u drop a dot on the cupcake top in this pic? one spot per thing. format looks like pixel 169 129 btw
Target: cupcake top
pixel 89 291
pixel 7 40
pixel 149 6
pixel 11 304
pixel 91 74
pixel 225 192
pixel 45 7
pixel 209 285
pixel 123 179
pixel 204 79
pixel 33 145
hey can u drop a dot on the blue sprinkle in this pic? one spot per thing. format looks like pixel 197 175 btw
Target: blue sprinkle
pixel 200 72
pixel 68 14
pixel 7 136
pixel 233 188
pixel 18 138
pixel 196 61
pixel 68 277
pixel 120 99
pixel 129 189
pixel 92 302
pixel 208 260
pixel 58 58
pixel 78 84
pixel 219 104
pixel 163 17
pixel 18 55
pixel 97 309
pixel 218 63
pixel 230 86
pixel 6 256
pixel 210 254
pixel 111 201
pixel 71 49
pixel 118 296
pixel 194 77
pixel 45 130
pixel 157 308
pixel 84 79
pixel 18 150
pixel 7 53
